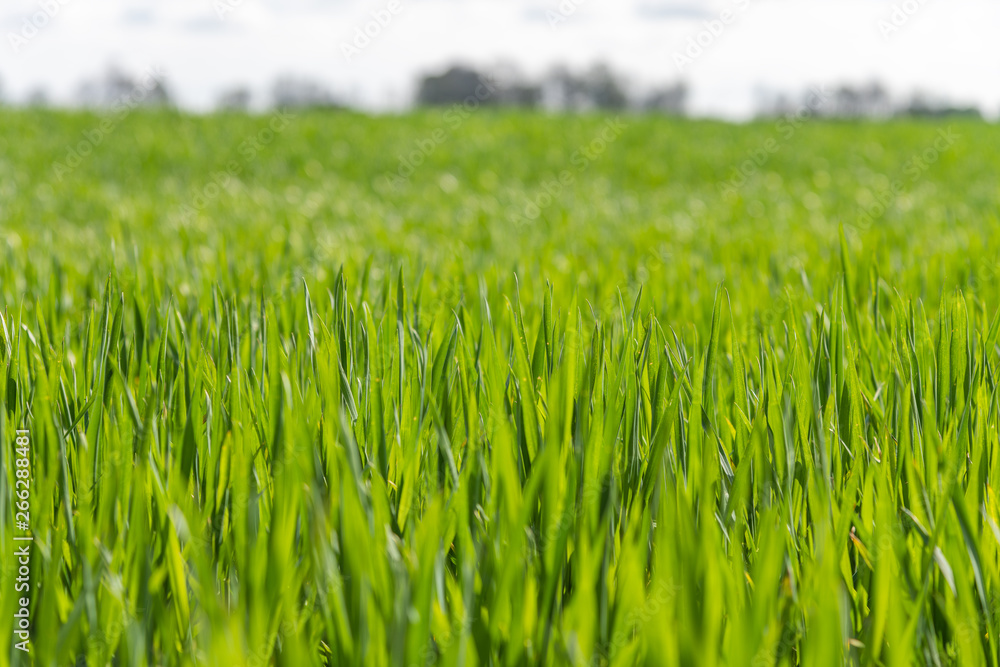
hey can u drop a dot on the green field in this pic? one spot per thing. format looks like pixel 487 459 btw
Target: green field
pixel 499 389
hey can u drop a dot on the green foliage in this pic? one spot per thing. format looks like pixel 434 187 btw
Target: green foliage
pixel 312 417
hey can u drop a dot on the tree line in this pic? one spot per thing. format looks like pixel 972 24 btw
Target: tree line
pixel 596 88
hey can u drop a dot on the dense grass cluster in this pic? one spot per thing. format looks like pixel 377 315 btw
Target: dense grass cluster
pixel 286 409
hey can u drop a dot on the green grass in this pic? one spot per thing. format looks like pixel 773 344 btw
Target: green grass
pixel 315 417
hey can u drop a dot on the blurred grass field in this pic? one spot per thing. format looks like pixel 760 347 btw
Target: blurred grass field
pixel 501 389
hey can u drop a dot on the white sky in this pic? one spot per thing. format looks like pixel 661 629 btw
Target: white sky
pixel 948 47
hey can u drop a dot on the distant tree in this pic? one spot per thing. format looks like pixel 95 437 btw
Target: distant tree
pixel 520 95
pixel 460 84
pixel 563 90
pixel 670 100
pixel 773 107
pixel 38 98
pixel 235 99
pixel 871 101
pixel 511 87
pixel 846 101
pixel 604 88
pixel 117 87
pixel 921 105
pixel 291 92
pixel 455 86
pixel 876 100
pixel 598 88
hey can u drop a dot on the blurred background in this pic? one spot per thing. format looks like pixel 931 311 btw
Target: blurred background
pixel 730 59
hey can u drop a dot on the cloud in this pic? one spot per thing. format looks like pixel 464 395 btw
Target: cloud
pixel 204 24
pixel 665 10
pixel 138 16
